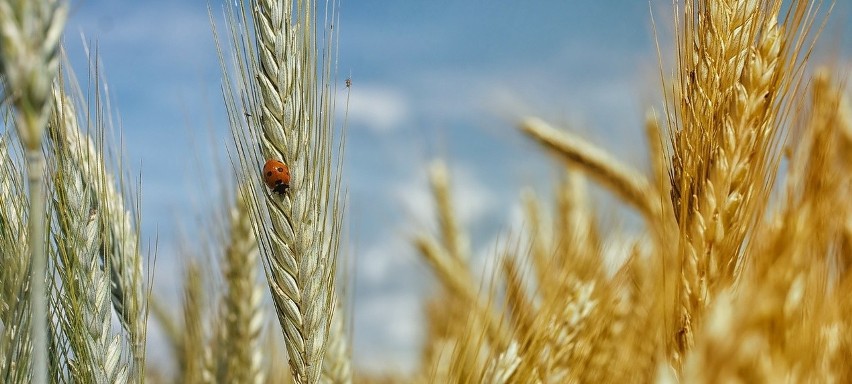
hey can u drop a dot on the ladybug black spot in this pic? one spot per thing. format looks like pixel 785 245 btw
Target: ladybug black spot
pixel 269 173
pixel 280 169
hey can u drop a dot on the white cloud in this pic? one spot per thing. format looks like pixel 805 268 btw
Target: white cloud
pixel 381 260
pixel 470 198
pixel 399 319
pixel 377 108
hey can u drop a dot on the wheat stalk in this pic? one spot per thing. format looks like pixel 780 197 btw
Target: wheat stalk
pixel 285 95
pixel 29 46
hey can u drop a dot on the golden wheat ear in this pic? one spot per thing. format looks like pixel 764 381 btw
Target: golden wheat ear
pixel 727 120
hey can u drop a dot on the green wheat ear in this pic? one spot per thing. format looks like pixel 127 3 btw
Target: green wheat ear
pixel 95 352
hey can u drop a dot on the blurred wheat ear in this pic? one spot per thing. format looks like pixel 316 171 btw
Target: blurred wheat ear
pixel 283 109
pixel 241 318
pixel 29 57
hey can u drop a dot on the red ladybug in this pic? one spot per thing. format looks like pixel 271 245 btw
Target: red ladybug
pixel 276 175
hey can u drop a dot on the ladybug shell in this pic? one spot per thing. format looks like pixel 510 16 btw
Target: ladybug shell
pixel 276 175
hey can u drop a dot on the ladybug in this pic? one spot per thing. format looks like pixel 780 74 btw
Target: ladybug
pixel 276 175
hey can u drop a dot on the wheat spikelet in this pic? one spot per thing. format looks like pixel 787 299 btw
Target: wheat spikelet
pixel 96 351
pixel 285 91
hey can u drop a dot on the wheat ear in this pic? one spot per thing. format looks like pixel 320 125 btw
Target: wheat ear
pixel 29 46
pixel 337 366
pixel 739 69
pixel 241 317
pixel 119 243
pixel 627 183
pixel 193 345
pixel 449 258
pixel 285 97
pixel 86 307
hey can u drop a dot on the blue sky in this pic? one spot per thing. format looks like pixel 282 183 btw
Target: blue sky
pixel 430 79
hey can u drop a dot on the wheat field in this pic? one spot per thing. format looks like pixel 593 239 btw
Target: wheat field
pixel 740 273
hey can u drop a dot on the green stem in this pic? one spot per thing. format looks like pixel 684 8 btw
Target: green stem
pixel 38 291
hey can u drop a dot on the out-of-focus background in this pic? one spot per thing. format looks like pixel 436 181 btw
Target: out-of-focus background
pixel 436 79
